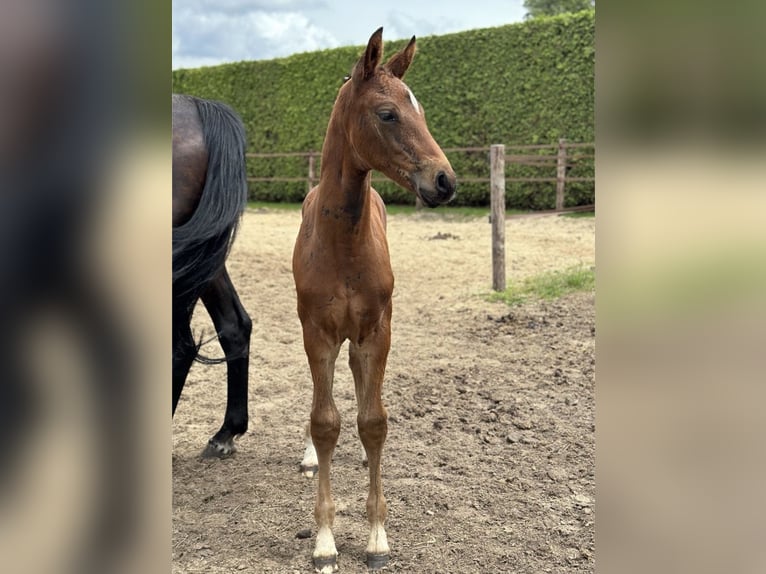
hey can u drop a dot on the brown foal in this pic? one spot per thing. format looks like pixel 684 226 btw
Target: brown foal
pixel 342 268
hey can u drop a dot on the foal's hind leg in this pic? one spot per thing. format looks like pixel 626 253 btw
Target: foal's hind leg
pixel 233 326
pixel 368 364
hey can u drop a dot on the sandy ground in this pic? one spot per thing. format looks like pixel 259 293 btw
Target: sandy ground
pixel 489 464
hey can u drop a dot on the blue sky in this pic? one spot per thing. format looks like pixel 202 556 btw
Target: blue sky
pixel 210 32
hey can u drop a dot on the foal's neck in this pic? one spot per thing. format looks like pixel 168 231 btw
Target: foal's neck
pixel 344 185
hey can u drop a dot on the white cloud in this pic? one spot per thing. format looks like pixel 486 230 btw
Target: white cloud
pixel 403 25
pixel 207 32
pixel 244 6
pixel 208 37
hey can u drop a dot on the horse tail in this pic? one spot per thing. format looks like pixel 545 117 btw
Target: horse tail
pixel 202 244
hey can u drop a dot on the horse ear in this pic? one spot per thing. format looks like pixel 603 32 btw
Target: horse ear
pixel 400 61
pixel 369 62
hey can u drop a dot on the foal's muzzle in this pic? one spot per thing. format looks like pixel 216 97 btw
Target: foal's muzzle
pixel 442 191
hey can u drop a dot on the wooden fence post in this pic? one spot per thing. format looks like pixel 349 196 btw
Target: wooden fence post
pixel 312 168
pixel 497 201
pixel 561 174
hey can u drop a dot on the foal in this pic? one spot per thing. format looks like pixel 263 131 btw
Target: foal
pixel 342 267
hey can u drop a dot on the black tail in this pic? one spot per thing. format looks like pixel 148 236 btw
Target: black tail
pixel 201 245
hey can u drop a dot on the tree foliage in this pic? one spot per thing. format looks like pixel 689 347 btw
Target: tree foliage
pixel 537 8
pixel 526 83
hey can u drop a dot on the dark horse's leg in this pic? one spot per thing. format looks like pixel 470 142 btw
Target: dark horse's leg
pixel 233 326
pixel 184 351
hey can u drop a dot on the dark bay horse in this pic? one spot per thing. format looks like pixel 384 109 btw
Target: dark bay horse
pixel 342 268
pixel 209 196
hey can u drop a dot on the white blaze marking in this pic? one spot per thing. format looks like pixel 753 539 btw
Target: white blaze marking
pixel 414 100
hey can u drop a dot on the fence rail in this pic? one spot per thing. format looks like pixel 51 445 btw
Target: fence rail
pixel 559 158
pixel 498 159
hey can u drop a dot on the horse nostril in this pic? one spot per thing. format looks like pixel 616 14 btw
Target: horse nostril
pixel 441 181
pixel 443 184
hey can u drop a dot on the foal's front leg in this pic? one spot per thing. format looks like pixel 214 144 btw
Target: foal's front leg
pixel 325 428
pixel 368 365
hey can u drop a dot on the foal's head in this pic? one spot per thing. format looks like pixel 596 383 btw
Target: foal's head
pixel 386 126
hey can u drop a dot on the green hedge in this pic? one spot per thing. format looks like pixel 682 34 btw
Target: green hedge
pixel 524 83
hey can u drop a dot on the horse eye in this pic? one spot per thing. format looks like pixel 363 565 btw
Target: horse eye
pixel 387 116
pixel 346 79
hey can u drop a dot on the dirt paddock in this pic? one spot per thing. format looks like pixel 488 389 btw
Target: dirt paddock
pixel 489 465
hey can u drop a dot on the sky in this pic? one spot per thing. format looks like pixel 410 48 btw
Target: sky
pixel 211 32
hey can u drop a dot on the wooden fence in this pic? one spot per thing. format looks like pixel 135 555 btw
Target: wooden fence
pixel 557 157
pixel 498 158
pixel 537 155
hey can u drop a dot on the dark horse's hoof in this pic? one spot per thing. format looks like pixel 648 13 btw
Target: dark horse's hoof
pixel 377 561
pixel 216 449
pixel 325 564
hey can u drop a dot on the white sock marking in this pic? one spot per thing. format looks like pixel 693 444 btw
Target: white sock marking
pixel 378 542
pixel 309 457
pixel 325 544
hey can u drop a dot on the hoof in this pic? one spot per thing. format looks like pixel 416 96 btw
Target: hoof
pixel 326 564
pixel 377 561
pixel 215 449
pixel 309 471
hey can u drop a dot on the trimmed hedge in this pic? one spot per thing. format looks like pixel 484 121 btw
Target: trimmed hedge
pixel 525 83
